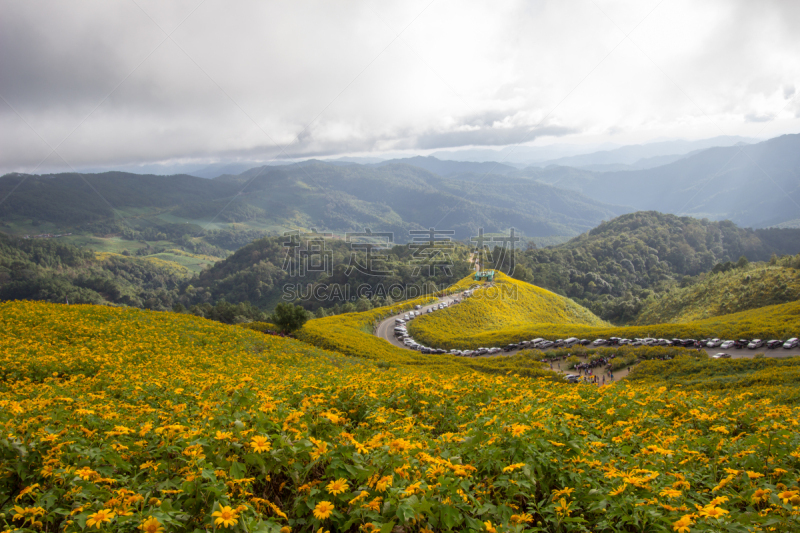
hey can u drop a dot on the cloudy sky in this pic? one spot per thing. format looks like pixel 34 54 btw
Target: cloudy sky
pixel 106 83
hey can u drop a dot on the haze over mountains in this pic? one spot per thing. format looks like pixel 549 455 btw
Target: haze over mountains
pixel 754 185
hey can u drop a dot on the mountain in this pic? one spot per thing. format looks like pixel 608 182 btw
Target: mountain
pixel 722 293
pixel 446 168
pixel 71 198
pixel 754 185
pixel 614 268
pixel 401 197
pixel 637 154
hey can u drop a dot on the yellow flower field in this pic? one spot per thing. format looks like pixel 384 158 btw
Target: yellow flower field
pixel 497 319
pixel 128 420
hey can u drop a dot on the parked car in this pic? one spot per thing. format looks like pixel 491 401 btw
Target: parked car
pixel 713 343
pixel 544 345
pixel 600 342
pixel 791 343
pixel 509 347
pixel 774 344
pixel 721 356
pixel 727 345
pixel 417 307
pixel 585 342
pixel 570 342
pixel 572 378
pixel 677 342
pixel 755 343
pixel 741 343
pixel 688 342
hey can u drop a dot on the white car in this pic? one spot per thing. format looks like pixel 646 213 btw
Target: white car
pixel 727 345
pixel 713 343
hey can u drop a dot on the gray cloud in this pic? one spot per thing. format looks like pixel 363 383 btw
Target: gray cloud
pixel 249 78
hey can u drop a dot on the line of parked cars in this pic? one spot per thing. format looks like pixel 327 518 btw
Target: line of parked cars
pixel 401 333
pixel 401 329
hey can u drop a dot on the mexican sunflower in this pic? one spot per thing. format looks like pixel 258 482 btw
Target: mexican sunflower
pixel 225 517
pixel 323 510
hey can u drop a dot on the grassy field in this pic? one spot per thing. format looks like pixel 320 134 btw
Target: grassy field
pixel 502 318
pixel 130 420
pixel 724 293
pixel 507 304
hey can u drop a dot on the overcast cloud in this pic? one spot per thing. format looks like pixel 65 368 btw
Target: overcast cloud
pixel 101 80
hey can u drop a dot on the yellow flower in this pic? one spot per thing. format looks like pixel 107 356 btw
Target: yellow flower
pixel 260 444
pixel 323 510
pixel 223 435
pixel 374 505
pixel 225 517
pixel 489 527
pixel 619 490
pixel 760 495
pixel 682 525
pixel 713 512
pixel 151 525
pixel 563 508
pixel 566 491
pixel 511 468
pixel 754 475
pixel 97 519
pixel 384 483
pixel 718 500
pixel 286 529
pixel 521 518
pixel 670 493
pixel 337 487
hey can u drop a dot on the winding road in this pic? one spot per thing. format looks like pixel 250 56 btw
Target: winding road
pixel 385 330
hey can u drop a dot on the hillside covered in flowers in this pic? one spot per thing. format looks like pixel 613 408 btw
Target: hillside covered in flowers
pixel 129 420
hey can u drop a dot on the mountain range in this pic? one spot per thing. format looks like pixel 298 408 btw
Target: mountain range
pixel 338 198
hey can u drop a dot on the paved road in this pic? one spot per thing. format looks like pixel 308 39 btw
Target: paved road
pixel 385 330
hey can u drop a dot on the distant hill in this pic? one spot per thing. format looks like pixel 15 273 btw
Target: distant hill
pixel 723 293
pixel 614 268
pixel 400 197
pixel 637 153
pixel 446 168
pixel 53 271
pixel 79 198
pixel 509 304
pixel 331 197
pixel 754 185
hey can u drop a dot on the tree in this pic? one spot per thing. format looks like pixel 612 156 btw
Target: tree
pixel 289 317
pixel 742 262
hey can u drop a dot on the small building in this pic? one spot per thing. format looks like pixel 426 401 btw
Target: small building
pixel 484 275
